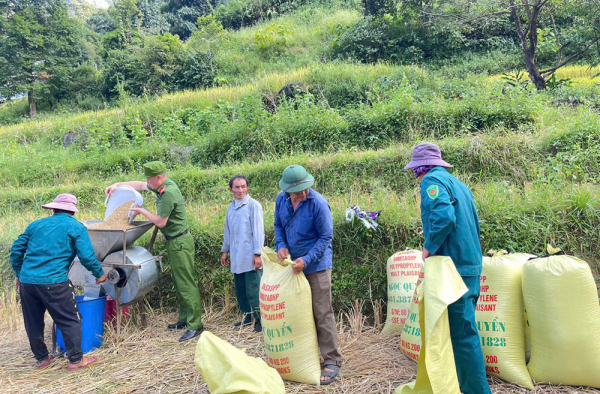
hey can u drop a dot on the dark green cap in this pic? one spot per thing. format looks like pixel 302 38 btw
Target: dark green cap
pixel 295 178
pixel 154 168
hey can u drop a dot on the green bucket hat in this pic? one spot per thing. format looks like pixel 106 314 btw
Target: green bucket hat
pixel 295 178
pixel 154 168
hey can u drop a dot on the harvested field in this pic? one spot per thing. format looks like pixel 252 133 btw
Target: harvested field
pixel 152 361
pixel 118 220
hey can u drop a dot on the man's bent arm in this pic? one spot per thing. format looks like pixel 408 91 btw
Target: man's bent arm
pixel 17 252
pixel 324 226
pixel 86 254
pixel 159 221
pixel 137 185
pixel 279 230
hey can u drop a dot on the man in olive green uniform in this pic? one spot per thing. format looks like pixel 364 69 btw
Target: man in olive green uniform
pixel 172 221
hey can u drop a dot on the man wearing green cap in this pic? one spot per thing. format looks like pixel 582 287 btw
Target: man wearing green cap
pixel 304 230
pixel 172 220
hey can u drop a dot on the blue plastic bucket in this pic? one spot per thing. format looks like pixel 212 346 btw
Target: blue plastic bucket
pixel 92 324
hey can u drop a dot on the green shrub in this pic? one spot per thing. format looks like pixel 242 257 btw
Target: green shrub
pixel 14 111
pixel 403 117
pixel 491 62
pixel 256 135
pixel 273 39
pixel 369 40
pixel 575 151
pixel 239 13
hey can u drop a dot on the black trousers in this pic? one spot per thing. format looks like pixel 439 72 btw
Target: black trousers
pixel 59 300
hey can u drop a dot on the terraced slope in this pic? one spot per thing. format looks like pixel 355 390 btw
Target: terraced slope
pixel 532 161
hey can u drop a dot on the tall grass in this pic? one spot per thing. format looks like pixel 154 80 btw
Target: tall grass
pixel 583 72
pixel 10 311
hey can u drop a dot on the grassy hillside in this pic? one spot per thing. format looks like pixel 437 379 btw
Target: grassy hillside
pixel 531 158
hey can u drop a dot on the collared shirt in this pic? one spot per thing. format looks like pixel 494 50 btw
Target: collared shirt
pixel 244 233
pixel 170 203
pixel 450 221
pixel 306 232
pixel 43 254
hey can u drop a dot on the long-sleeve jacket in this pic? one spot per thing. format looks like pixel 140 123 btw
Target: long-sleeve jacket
pixel 244 233
pixel 306 232
pixel 44 252
pixel 450 221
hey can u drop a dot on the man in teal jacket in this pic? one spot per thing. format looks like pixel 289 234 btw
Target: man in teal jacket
pixel 451 228
pixel 41 258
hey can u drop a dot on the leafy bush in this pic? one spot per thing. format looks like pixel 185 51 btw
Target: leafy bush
pixel 240 13
pixel 164 64
pixel 575 152
pixel 402 118
pixel 14 111
pixel 405 37
pixel 273 39
pixel 257 134
pixel 369 40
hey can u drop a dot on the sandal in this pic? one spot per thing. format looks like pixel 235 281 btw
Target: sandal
pixel 43 364
pixel 85 362
pixel 331 375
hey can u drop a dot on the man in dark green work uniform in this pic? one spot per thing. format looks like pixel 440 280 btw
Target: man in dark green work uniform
pixel 451 228
pixel 172 221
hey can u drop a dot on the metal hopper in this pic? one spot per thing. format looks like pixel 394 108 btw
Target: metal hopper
pixel 106 242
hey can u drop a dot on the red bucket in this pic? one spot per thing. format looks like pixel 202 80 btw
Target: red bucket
pixel 110 312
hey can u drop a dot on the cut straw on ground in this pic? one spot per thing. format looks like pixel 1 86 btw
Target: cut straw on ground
pixel 151 360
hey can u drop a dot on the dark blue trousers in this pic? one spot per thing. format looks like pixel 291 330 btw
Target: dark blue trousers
pixel 468 355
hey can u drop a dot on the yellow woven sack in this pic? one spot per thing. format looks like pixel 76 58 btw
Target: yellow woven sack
pixel 562 305
pixel 436 371
pixel 226 369
pixel 499 317
pixel 402 274
pixel 410 339
pixel 288 322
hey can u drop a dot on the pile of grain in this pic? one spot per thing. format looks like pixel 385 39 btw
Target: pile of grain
pixel 117 220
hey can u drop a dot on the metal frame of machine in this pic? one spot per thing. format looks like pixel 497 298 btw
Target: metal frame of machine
pixel 107 242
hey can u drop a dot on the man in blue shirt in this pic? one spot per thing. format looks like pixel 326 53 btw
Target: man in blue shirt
pixel 41 258
pixel 304 230
pixel 451 228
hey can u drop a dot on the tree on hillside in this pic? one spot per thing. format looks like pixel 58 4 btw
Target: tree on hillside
pixel 183 14
pixel 126 17
pixel 378 7
pixel 533 21
pixel 152 19
pixel 80 9
pixel 38 42
pixel 100 22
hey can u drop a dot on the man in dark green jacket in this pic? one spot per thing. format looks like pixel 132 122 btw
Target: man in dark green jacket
pixel 171 218
pixel 41 258
pixel 451 228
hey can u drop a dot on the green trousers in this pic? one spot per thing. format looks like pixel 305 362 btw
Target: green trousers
pixel 247 289
pixel 183 272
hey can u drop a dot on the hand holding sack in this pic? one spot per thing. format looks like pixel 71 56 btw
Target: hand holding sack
pixel 499 317
pixel 287 319
pixel 226 369
pixel 402 275
pixel 564 316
